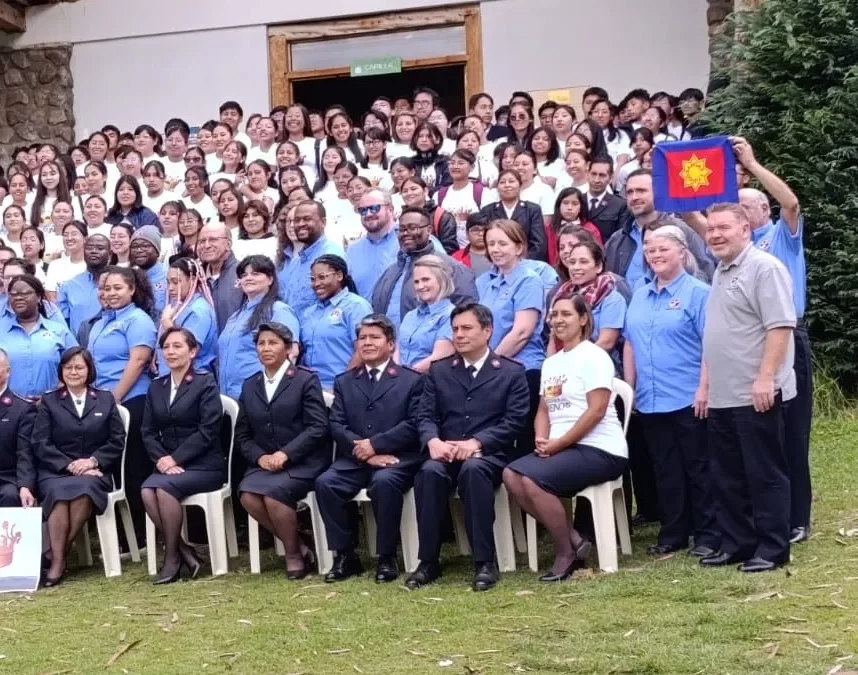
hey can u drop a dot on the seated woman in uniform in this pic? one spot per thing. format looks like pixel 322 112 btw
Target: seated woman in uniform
pixel 181 434
pixel 282 431
pixel 579 440
pixel 426 334
pixel 329 325
pixel 77 441
pixel 17 478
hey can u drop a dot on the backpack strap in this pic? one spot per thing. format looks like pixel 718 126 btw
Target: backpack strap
pixel 436 219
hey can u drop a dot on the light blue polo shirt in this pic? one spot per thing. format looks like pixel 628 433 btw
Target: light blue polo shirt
pixel 110 343
pixel 368 258
pixel 775 238
pixel 421 328
pixel 294 276
pixel 34 356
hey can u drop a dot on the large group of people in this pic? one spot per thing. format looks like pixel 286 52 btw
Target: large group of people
pixel 412 302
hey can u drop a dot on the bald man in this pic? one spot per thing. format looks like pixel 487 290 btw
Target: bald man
pixel 783 240
pixel 214 248
pixel 17 472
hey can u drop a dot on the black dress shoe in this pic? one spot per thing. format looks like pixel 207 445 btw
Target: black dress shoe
pixel 661 549
pixel 720 559
pixel 50 583
pixel 168 577
pixel 386 570
pixel 190 561
pixel 297 575
pixel 758 565
pixel 485 576
pixel 551 578
pixel 799 534
pixel 425 574
pixel 702 551
pixel 643 519
pixel 346 565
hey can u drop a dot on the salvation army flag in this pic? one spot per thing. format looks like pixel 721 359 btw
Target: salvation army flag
pixel 691 175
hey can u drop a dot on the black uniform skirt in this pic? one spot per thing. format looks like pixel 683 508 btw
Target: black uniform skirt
pixel 9 491
pixel 279 485
pixel 67 488
pixel 570 471
pixel 182 485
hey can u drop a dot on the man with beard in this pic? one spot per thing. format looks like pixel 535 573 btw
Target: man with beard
pixel 144 253
pixel 294 276
pixel 369 256
pixel 78 298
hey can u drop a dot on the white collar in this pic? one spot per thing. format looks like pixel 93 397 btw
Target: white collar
pixel 478 364
pixel 381 368
pixel 278 375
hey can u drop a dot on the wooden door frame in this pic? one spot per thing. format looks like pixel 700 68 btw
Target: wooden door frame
pixel 280 39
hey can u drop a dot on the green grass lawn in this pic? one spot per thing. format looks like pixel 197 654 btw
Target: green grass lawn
pixel 664 616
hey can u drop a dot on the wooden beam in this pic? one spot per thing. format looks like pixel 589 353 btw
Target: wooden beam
pixel 12 19
pixel 278 70
pixel 474 48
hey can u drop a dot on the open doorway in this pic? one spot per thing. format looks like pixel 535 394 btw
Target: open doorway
pixel 358 93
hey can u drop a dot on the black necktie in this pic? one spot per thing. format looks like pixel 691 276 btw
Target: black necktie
pixel 472 371
pixel 373 375
pixel 593 203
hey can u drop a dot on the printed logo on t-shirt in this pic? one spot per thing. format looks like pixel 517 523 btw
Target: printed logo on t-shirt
pixel 553 393
pixel 764 244
pixel 673 304
pixel 336 314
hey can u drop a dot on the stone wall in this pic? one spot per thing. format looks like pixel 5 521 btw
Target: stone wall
pixel 36 98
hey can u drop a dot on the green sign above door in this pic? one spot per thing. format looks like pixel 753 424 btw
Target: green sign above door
pixel 382 66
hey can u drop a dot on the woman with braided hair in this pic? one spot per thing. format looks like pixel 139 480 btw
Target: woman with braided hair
pixel 190 306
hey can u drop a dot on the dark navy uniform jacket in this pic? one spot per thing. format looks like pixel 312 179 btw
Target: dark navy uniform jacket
pixel 60 436
pixel 16 427
pixel 189 429
pixel 492 407
pixel 295 421
pixel 385 412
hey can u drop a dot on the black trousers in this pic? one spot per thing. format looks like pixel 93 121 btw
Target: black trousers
pixel 797 421
pixel 679 447
pixel 641 472
pixel 477 479
pixel 138 466
pixel 751 481
pixel 343 480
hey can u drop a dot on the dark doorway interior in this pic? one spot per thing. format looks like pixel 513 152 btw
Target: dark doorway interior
pixel 358 93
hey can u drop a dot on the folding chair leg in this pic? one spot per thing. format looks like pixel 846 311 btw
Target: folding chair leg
pixel 532 554
pixel 83 547
pixel 229 522
pixel 253 544
pixel 108 538
pixel 606 534
pixel 128 526
pixel 324 558
pixel 151 547
pixel 408 532
pixel 371 529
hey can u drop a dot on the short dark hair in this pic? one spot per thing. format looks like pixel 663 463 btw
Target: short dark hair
pixel 110 127
pixel 604 159
pixel 177 124
pixel 476 219
pixel 430 91
pixel 415 209
pixel 69 354
pixel 521 94
pixel 691 92
pixel 473 100
pixel 190 339
pixel 595 91
pixel 638 172
pixel 545 106
pixel 28 267
pixel 280 330
pixel 640 94
pixel 231 105
pixel 380 321
pixel 483 313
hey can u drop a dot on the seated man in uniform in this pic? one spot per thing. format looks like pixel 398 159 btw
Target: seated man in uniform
pixel 17 473
pixel 374 425
pixel 474 405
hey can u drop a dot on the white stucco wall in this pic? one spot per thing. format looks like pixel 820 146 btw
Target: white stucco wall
pixel 136 62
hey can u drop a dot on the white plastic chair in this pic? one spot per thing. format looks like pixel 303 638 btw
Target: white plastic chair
pixel 608 503
pixel 503 529
pixel 217 506
pixel 407 527
pixel 108 532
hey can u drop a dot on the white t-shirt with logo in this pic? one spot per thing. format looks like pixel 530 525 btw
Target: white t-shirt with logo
pixel 61 270
pixel 567 377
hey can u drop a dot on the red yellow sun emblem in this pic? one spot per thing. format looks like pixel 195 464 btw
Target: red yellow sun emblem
pixel 695 174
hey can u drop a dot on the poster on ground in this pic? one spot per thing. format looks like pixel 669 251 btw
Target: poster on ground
pixel 20 549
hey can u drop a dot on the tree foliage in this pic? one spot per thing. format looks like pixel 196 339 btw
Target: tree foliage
pixel 791 87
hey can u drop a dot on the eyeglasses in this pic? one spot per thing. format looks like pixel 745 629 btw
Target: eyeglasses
pixel 74 368
pixel 321 277
pixel 22 294
pixel 140 244
pixel 210 240
pixel 411 229
pixel 519 117
pixel 372 209
pixel 422 104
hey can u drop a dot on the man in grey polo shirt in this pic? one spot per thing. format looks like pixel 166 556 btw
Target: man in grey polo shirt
pixel 748 351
